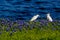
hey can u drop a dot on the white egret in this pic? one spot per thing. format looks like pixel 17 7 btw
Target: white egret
pixel 49 17
pixel 34 17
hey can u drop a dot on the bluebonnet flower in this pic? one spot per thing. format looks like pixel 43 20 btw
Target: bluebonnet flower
pixel 15 21
pixel 20 28
pixel 7 19
pixel 20 22
pixel 15 27
pixel 13 30
pixel 8 29
pixel 3 22
pixel 42 22
pixel 26 25
pixel 10 24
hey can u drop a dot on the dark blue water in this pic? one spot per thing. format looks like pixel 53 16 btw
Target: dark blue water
pixel 25 9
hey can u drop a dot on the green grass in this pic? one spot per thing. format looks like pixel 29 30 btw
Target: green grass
pixel 46 33
pixel 34 34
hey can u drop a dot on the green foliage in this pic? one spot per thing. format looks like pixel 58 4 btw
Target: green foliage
pixel 43 33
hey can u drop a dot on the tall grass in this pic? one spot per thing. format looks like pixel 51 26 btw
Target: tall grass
pixel 31 31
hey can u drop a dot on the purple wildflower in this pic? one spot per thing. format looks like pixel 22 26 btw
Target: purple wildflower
pixel 13 30
pixel 20 22
pixel 8 29
pixel 7 19
pixel 15 27
pixel 3 22
pixel 43 22
pixel 10 24
pixel 20 28
pixel 26 24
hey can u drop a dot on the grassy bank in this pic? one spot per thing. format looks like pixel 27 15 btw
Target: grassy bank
pixel 29 30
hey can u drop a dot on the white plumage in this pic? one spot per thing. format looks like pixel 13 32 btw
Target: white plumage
pixel 49 17
pixel 34 17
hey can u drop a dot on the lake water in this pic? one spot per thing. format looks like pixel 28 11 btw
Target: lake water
pixel 26 9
